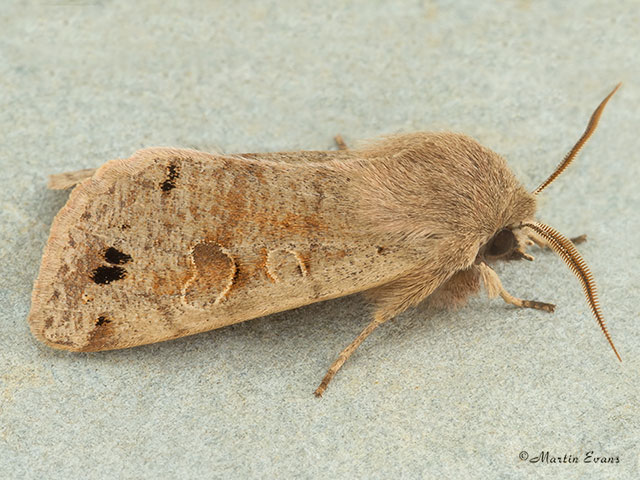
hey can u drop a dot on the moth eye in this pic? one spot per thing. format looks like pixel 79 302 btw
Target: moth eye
pixel 503 243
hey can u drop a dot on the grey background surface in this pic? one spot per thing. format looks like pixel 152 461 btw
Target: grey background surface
pixel 431 394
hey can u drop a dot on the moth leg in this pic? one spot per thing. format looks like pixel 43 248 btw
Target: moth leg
pixel 391 300
pixel 340 142
pixel 575 240
pixel 519 254
pixel 66 180
pixel 494 288
pixel 346 353
pixel 542 243
pixel 579 239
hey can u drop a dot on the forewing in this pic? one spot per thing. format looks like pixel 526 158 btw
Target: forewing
pixel 174 242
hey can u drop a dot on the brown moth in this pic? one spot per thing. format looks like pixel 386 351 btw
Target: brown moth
pixel 172 242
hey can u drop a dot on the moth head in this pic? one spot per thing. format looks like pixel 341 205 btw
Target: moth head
pixel 509 242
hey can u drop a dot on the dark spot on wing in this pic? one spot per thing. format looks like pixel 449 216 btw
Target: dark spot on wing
pixel 105 275
pixel 173 173
pixel 101 337
pixel 116 257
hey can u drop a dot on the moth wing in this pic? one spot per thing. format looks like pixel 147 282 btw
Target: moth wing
pixel 67 180
pixel 174 242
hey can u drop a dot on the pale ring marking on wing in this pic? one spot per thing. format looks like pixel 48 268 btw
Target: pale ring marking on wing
pixel 271 266
pixel 230 275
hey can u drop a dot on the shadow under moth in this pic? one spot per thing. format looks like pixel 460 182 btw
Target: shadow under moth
pixel 172 242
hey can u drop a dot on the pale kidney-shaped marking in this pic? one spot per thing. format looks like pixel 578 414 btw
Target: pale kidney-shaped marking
pixel 285 263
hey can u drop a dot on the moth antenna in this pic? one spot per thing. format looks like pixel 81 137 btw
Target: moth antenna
pixel 591 127
pixel 566 250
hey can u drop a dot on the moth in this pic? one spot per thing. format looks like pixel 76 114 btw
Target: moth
pixel 172 242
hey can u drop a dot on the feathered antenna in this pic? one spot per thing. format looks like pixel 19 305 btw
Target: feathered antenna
pixel 591 127
pixel 565 249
